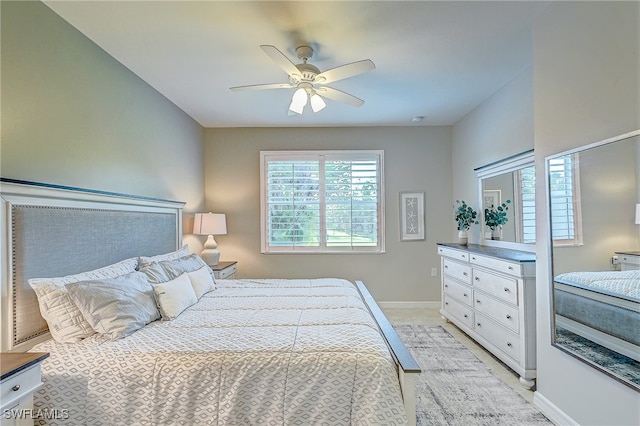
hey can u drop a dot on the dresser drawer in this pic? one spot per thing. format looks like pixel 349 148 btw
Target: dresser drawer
pixel 20 385
pixel 454 254
pixel 502 313
pixel 504 288
pixel 506 341
pixel 459 271
pixel 498 265
pixel 460 292
pixel 459 310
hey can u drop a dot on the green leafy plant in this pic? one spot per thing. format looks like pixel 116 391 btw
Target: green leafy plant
pixel 496 216
pixel 465 216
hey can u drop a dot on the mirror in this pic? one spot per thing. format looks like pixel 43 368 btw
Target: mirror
pixel 594 209
pixel 510 182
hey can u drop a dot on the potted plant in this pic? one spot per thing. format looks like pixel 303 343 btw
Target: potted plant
pixel 465 217
pixel 495 217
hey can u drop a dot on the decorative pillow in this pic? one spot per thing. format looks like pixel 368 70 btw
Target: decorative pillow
pixel 116 307
pixel 201 281
pixel 144 260
pixel 163 271
pixel 174 296
pixel 66 322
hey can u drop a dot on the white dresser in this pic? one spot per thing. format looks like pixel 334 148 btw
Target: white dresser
pixel 490 294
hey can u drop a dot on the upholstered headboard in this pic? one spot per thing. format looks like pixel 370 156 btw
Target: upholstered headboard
pixel 52 231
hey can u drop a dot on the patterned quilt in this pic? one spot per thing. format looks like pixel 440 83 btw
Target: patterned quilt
pixel 623 284
pixel 273 352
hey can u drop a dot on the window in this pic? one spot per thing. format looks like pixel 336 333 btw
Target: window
pixel 322 201
pixel 564 188
pixel 527 189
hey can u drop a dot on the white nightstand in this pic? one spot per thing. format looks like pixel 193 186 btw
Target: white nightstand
pixel 20 378
pixel 629 260
pixel 225 270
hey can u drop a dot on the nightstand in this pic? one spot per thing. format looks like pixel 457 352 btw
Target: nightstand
pixel 20 378
pixel 225 270
pixel 629 260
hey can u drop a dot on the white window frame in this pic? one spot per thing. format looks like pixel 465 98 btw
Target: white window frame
pixel 266 156
pixel 577 209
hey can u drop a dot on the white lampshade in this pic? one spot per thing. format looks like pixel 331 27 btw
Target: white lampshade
pixel 210 224
pixel 298 101
pixel 637 214
pixel 317 103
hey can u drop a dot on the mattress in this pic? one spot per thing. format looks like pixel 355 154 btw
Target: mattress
pixel 606 301
pixel 279 352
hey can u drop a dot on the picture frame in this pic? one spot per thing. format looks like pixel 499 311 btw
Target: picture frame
pixel 412 224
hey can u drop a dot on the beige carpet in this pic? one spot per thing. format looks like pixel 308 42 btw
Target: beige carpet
pixel 456 388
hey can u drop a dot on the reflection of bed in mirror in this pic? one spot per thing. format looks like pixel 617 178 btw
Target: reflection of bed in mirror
pixel 603 307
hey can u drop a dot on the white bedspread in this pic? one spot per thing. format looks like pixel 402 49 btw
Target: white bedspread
pixel 624 284
pixel 274 352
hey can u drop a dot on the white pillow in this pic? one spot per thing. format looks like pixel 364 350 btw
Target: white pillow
pixel 201 281
pixel 66 322
pixel 116 307
pixel 174 296
pixel 145 260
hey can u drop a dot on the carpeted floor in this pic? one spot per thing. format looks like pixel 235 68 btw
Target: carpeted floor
pixel 456 388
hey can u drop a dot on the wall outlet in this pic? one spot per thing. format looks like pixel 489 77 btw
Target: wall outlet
pixel 434 272
pixel 614 261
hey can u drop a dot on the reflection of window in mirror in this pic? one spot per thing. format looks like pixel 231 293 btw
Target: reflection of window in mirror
pixel 526 180
pixel 564 186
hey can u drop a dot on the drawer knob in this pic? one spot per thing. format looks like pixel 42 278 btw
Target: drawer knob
pixel 473 257
pixel 509 344
pixel 466 316
pixel 506 289
pixel 508 316
pixel 16 388
pixel 446 267
pixel 477 301
pixel 446 285
pixel 446 303
pixel 478 324
pixel 477 278
pixel 464 294
pixel 465 274
pixel 511 268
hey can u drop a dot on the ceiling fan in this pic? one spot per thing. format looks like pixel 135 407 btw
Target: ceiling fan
pixel 309 81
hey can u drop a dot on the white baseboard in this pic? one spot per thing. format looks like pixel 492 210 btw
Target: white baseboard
pixel 553 413
pixel 409 305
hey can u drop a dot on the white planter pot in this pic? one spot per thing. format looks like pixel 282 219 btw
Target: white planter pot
pixel 463 237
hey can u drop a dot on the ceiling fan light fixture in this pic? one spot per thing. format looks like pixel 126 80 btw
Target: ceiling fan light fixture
pixel 317 103
pixel 298 101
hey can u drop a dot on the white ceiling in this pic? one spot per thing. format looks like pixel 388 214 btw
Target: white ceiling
pixel 437 59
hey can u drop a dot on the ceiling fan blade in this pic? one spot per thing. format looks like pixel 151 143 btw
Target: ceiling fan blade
pixel 345 71
pixel 263 86
pixel 279 58
pixel 339 96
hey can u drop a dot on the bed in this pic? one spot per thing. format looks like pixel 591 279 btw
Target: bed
pixel 602 306
pixel 261 351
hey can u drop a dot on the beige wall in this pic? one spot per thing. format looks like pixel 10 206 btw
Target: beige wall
pixel 72 115
pixel 416 159
pixel 586 66
pixel 500 127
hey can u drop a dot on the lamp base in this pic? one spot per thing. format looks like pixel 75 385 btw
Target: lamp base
pixel 210 254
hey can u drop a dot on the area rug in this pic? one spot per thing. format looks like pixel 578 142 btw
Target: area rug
pixel 456 388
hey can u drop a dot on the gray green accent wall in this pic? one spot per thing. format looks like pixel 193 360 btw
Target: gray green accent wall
pixel 73 115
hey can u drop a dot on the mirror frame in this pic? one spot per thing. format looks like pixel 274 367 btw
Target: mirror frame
pixel 507 165
pixel 553 334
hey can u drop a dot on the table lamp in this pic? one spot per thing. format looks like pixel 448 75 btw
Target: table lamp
pixel 210 224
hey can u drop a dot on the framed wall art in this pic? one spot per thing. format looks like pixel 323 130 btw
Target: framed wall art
pixel 412 216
